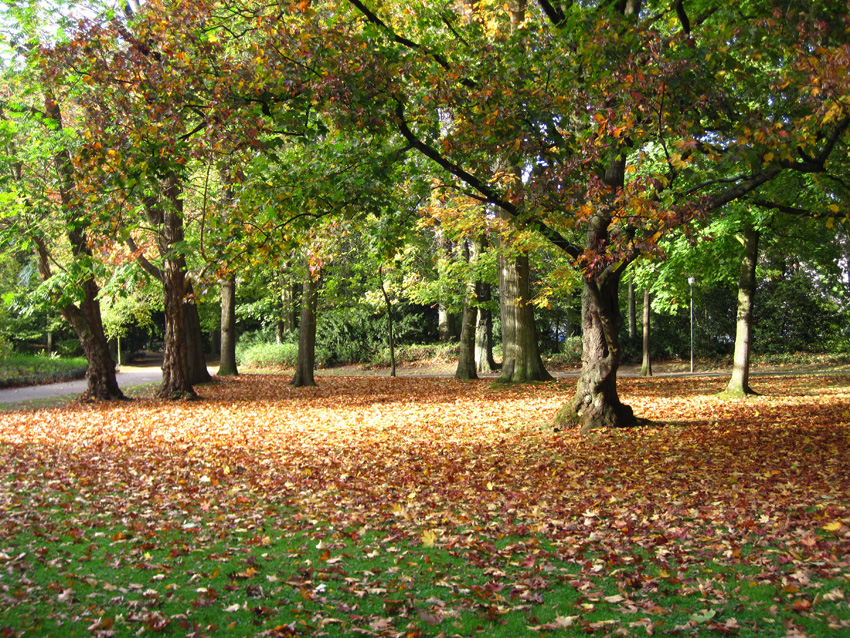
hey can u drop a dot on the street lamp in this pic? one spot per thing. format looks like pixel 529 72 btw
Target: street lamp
pixel 691 281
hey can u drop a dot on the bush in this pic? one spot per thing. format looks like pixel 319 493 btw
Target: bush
pixel 69 347
pixel 267 355
pixel 570 353
pixel 416 353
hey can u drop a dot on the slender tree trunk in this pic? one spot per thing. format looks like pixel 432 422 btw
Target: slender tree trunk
pixel 198 372
pixel 445 320
pixel 307 334
pixel 466 354
pixel 85 318
pixel 632 317
pixel 390 320
pixel 740 381
pixel 227 362
pixel 289 300
pixel 484 361
pixel 646 366
pixel 521 362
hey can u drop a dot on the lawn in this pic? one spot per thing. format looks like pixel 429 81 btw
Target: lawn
pixel 429 507
pixel 19 370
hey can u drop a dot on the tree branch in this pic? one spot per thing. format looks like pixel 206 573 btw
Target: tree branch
pixel 400 39
pixel 490 196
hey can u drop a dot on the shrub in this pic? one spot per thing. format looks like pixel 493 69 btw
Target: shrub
pixel 570 353
pixel 267 355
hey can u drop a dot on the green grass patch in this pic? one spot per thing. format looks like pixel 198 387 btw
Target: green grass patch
pixel 19 370
pixel 219 569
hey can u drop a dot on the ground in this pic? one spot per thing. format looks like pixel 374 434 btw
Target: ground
pixel 429 507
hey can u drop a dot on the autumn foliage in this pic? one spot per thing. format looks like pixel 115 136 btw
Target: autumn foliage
pixel 668 528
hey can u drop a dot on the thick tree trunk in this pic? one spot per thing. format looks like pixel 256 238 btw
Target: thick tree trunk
pixel 307 335
pixel 85 319
pixel 740 381
pixel 646 365
pixel 227 362
pixel 176 382
pixel 596 403
pixel 198 372
pixel 521 362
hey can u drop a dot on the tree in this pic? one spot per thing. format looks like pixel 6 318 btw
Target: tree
pixel 227 364
pixel 45 193
pixel 645 142
pixel 307 332
pixel 646 363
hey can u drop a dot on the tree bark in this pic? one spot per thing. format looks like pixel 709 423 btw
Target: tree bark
pixel 596 403
pixel 646 365
pixel 198 372
pixel 466 354
pixel 632 317
pixel 521 362
pixel 227 362
pixel 390 320
pixel 740 381
pixel 167 215
pixel 307 334
pixel 484 361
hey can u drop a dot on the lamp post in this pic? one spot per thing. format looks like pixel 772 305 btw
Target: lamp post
pixel 691 281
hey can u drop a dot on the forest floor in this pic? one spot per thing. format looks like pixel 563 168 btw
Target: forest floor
pixel 429 507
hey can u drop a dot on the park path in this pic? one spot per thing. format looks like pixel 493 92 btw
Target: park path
pixel 127 377
pixel 149 371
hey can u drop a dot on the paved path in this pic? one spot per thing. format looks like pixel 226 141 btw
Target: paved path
pixel 126 378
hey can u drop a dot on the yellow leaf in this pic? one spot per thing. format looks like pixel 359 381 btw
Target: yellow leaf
pixel 834 526
pixel 830 222
pixel 768 157
pixel 429 537
pixel 834 208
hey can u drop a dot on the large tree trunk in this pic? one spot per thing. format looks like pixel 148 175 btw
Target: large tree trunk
pixel 521 362
pixel 466 368
pixel 227 362
pixel 307 335
pixel 176 382
pixel 198 372
pixel 86 318
pixel 740 381
pixel 646 365
pixel 596 403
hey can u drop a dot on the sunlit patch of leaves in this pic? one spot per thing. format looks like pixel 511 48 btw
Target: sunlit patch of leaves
pixel 413 506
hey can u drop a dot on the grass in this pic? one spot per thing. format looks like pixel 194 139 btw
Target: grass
pixel 222 573
pixel 19 370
